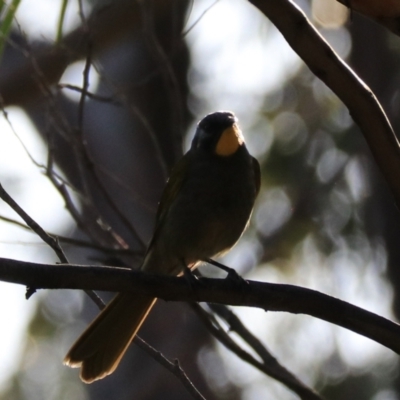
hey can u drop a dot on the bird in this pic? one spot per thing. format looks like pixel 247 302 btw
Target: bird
pixel 204 209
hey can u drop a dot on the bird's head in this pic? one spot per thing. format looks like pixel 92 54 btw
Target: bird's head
pixel 218 133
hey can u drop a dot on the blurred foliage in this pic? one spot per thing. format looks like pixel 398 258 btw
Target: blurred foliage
pixel 312 226
pixel 7 15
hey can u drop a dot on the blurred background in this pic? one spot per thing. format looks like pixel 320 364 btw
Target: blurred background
pixel 325 218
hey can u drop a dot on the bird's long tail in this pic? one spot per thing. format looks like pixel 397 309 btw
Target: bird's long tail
pixel 100 348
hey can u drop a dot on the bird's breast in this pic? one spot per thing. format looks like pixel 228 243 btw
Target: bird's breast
pixel 210 212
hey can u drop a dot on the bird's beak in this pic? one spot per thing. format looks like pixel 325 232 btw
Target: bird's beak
pixel 230 140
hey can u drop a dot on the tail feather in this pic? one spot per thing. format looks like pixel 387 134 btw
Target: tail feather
pixel 100 348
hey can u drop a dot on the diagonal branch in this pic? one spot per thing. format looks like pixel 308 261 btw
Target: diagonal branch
pixel 385 13
pixel 51 241
pixel 272 369
pixel 270 364
pixel 267 296
pixel 341 79
pixel 173 367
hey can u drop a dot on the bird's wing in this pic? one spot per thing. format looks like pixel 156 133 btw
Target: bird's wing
pixel 170 193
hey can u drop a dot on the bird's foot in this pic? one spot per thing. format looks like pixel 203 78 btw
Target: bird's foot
pixel 190 277
pixel 232 273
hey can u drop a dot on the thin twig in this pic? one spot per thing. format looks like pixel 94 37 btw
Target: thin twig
pixel 63 191
pixel 93 96
pixel 21 142
pixel 91 229
pixel 51 241
pixel 271 365
pixel 236 325
pixel 133 195
pixel 92 223
pixel 173 367
pixel 120 93
pixel 86 74
pixel 185 32
pixel 77 242
pixel 276 371
pixel 88 164
pixel 42 167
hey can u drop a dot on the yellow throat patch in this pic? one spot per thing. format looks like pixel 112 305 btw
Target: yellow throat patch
pixel 229 141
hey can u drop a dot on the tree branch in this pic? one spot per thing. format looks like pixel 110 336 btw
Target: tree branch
pixel 54 244
pixel 341 79
pixel 267 296
pixel 51 241
pixel 385 13
pixel 106 25
pixel 77 242
pixel 269 365
pixel 173 367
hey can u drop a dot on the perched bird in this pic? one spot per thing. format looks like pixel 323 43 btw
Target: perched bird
pixel 204 209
